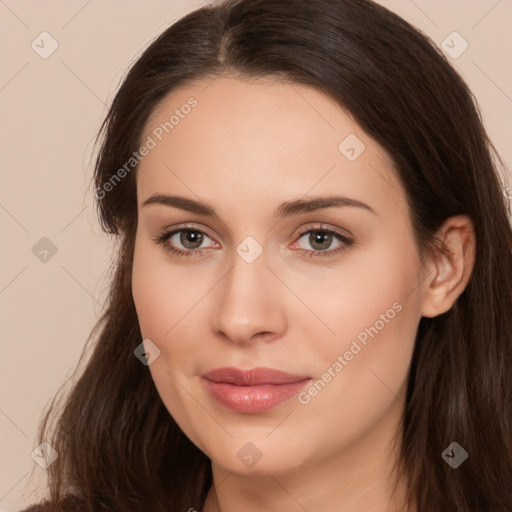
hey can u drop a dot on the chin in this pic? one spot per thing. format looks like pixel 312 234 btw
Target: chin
pixel 257 457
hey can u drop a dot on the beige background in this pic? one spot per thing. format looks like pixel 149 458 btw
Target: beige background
pixel 50 111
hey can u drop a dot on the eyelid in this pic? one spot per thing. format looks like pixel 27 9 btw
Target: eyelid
pixel 320 226
pixel 303 230
pixel 190 227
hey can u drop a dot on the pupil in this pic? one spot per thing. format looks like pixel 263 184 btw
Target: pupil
pixel 319 238
pixel 191 237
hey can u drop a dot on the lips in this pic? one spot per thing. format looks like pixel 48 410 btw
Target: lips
pixel 252 391
pixel 254 377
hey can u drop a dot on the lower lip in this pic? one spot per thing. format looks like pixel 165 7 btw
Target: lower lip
pixel 253 399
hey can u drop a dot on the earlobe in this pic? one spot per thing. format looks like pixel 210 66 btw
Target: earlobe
pixel 452 266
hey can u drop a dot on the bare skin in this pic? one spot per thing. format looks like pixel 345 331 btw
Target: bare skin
pixel 245 149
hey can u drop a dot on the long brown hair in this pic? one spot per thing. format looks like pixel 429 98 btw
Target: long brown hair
pixel 119 448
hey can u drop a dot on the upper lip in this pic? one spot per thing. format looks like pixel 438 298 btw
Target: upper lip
pixel 252 377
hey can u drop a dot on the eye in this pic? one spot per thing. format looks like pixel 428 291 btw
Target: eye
pixel 189 241
pixel 321 239
pixel 184 241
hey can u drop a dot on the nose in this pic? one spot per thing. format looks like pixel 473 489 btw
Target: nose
pixel 249 305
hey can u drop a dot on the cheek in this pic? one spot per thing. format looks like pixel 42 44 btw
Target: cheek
pixel 152 299
pixel 372 307
pixel 160 293
pixel 166 299
pixel 367 289
pixel 361 372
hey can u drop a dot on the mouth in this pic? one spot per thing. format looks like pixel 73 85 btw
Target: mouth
pixel 252 391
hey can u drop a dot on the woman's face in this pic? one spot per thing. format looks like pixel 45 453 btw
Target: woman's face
pixel 328 291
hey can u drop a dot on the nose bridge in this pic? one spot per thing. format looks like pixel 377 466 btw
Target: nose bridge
pixel 248 302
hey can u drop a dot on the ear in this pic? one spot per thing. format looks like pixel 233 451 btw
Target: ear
pixel 451 267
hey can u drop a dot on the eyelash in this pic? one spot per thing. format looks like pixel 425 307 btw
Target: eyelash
pixel 162 239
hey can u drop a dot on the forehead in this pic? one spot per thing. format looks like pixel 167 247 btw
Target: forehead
pixel 229 138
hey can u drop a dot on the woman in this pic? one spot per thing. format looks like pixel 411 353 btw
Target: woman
pixel 311 303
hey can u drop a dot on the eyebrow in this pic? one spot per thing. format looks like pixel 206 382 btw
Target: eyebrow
pixel 286 209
